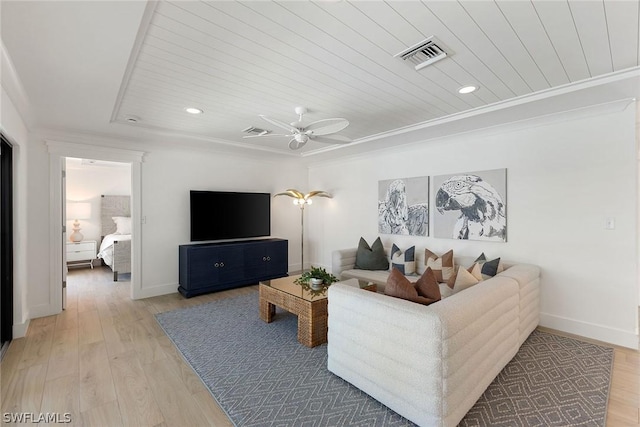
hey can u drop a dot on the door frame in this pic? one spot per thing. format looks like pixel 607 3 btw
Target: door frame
pixel 58 152
pixel 6 242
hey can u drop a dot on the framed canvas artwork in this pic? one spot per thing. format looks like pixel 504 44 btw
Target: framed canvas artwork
pixel 403 206
pixel 471 206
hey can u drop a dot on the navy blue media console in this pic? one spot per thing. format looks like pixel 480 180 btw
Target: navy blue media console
pixel 210 267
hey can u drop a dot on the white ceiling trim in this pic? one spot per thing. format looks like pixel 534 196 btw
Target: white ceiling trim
pixel 632 73
pixel 135 52
pixel 70 149
pixel 12 84
pixel 499 128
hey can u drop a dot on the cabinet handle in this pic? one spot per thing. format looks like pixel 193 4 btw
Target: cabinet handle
pixel 268 258
pixel 216 265
pixel 264 258
pixel 222 264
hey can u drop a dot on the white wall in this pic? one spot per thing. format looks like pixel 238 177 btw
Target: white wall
pixel 564 177
pixel 86 183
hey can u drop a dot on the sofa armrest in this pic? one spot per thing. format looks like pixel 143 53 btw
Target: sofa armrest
pixel 528 278
pixel 343 259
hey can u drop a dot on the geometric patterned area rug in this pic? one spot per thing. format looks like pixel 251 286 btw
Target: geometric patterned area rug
pixel 552 381
pixel 261 376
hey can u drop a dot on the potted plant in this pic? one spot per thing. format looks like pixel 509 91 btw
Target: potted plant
pixel 316 278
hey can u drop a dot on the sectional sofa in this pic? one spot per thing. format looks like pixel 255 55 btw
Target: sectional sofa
pixel 431 363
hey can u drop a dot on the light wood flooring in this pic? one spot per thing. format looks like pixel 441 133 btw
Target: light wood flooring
pixel 106 362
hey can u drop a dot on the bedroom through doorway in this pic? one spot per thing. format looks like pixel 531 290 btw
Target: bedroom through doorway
pixel 97 203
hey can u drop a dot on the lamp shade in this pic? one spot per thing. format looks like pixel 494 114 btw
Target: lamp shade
pixel 79 210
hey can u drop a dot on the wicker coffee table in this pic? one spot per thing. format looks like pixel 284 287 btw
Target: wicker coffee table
pixel 311 310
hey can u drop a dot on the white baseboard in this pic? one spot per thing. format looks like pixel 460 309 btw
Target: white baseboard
pixel 591 330
pixel 19 330
pixel 170 288
pixel 42 310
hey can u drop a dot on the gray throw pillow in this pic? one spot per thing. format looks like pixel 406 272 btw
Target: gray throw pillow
pixel 371 257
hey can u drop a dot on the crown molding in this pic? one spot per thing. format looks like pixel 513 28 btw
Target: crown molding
pixel 12 84
pixel 574 97
pixel 89 151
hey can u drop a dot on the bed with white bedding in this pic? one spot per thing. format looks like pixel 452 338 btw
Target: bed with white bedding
pixel 115 251
pixel 115 248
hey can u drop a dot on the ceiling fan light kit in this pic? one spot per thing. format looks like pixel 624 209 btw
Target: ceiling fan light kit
pixel 301 133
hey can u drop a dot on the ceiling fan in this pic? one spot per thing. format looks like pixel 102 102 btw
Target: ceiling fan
pixel 300 133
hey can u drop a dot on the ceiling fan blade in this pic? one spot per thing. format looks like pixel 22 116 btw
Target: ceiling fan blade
pixel 331 139
pixel 280 124
pixel 294 145
pixel 266 134
pixel 327 126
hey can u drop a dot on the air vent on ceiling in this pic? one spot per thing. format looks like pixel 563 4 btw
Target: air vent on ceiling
pixel 255 131
pixel 424 53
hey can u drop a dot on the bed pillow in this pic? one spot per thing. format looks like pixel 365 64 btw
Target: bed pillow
pixel 399 286
pixel 404 261
pixel 123 224
pixel 442 266
pixel 371 257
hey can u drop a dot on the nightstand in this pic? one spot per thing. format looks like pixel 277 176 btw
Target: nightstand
pixel 81 253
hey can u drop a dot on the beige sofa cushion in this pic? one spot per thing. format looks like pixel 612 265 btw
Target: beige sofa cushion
pixel 379 277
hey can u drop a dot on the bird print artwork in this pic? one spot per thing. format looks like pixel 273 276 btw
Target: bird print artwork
pixel 479 206
pixel 403 206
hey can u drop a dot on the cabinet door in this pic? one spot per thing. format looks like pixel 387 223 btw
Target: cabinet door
pixel 278 264
pixel 256 257
pixel 210 266
pixel 202 270
pixel 266 259
pixel 230 265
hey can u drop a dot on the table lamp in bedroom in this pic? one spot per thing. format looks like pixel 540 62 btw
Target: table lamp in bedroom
pixel 78 211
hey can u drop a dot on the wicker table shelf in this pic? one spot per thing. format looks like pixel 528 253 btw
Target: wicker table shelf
pixel 311 310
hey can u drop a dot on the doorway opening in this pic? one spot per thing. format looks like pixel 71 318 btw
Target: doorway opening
pixel 58 153
pixel 97 201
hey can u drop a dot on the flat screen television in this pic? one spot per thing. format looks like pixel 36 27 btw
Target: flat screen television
pixel 222 215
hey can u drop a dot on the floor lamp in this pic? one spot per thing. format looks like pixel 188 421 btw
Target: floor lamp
pixel 301 200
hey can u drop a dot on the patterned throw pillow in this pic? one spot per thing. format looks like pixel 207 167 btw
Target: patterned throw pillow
pixel 371 257
pixel 404 261
pixel 442 267
pixel 463 279
pixel 400 287
pixel 489 268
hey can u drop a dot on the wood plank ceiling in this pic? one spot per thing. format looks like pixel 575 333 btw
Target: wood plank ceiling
pixel 238 59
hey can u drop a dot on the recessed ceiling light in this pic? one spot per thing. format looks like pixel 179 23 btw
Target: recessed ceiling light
pixel 193 110
pixel 467 89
